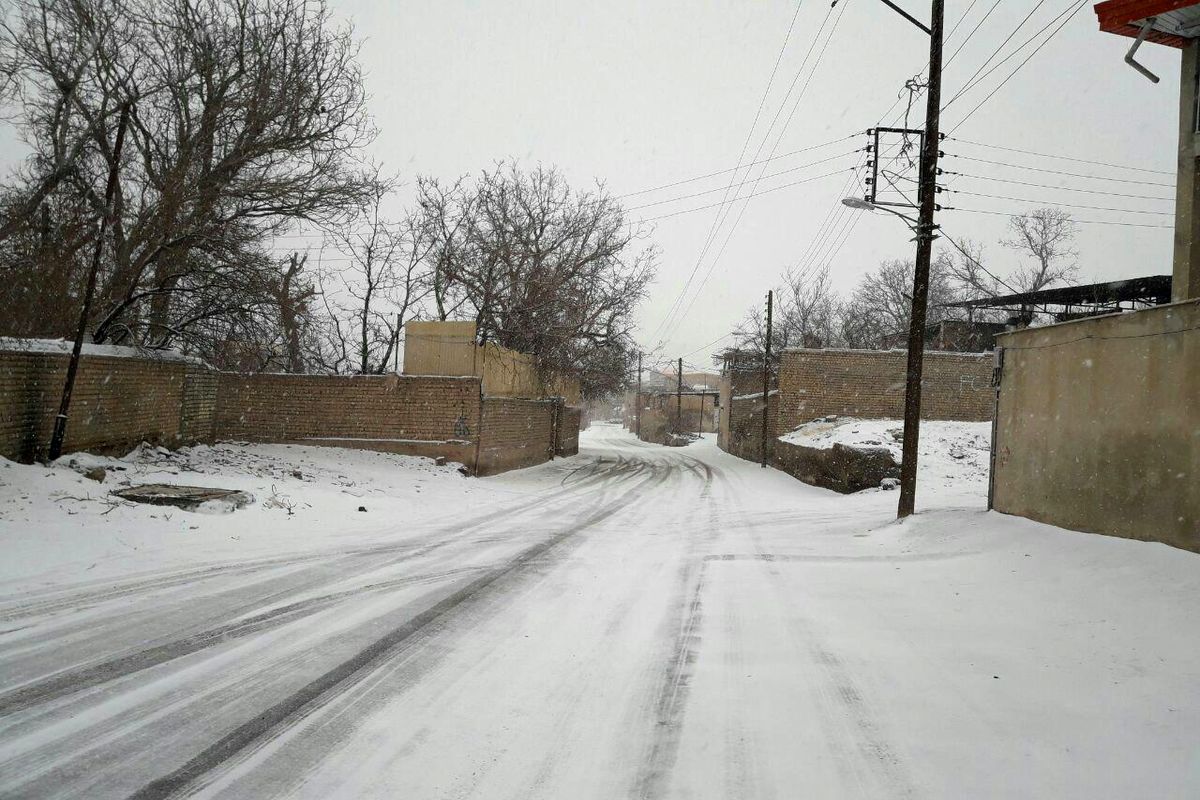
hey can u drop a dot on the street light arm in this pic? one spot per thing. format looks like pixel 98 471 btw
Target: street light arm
pixel 864 205
pixel 904 14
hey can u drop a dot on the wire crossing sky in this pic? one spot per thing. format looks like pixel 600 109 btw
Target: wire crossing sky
pixel 655 101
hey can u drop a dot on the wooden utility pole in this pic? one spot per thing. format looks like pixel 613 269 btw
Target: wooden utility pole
pixel 637 400
pixel 679 400
pixel 60 421
pixel 920 296
pixel 766 395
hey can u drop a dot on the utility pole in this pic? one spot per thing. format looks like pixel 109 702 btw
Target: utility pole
pixel 920 296
pixel 60 421
pixel 637 400
pixel 766 396
pixel 679 400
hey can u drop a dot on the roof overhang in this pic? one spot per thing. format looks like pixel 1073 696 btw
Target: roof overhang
pixel 1150 290
pixel 1176 22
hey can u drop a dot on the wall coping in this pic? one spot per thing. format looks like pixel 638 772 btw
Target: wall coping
pixel 1116 319
pixel 345 376
pixel 986 354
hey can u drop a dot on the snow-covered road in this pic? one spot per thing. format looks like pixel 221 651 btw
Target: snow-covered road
pixel 636 622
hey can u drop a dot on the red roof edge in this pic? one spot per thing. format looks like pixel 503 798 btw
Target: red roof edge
pixel 1119 16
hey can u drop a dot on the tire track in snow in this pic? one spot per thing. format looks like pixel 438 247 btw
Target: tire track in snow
pixel 323 689
pixel 65 681
pixel 37 603
pixel 109 751
pixel 672 694
pixel 856 741
pixel 311 739
pixel 79 679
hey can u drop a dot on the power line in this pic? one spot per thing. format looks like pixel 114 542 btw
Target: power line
pixel 772 175
pixel 739 167
pixel 1061 172
pixel 746 197
pixel 705 347
pixel 1063 188
pixel 778 139
pixel 718 218
pixel 1076 221
pixel 963 44
pixel 674 316
pixel 1017 69
pixel 977 79
pixel 835 215
pixel 832 217
pixel 975 261
pixel 967 83
pixel 949 36
pixel 1055 203
pixel 1062 158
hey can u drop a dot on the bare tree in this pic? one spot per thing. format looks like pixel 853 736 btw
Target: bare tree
pixel 445 212
pixel 293 296
pixel 1045 236
pixel 543 269
pixel 806 309
pixel 881 305
pixel 248 116
pixel 965 267
pixel 386 277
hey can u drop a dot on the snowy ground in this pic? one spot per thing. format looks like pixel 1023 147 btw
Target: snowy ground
pixel 636 621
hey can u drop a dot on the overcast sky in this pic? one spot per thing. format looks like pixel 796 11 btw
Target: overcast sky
pixel 639 94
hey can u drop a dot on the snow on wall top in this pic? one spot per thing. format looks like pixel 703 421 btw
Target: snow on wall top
pixel 63 347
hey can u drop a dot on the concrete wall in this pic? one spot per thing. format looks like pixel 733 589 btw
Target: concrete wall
pixel 439 348
pixel 1185 284
pixel 870 384
pixel 1098 427
pixel 449 348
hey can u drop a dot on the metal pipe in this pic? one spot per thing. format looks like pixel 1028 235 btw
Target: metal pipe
pixel 1147 24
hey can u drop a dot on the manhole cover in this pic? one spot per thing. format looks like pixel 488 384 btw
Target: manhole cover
pixel 187 497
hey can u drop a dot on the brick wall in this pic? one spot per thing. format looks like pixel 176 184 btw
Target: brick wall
pixel 120 402
pixel 198 407
pixel 854 383
pixel 744 437
pixel 570 424
pixel 870 384
pixel 516 433
pixel 278 407
pixel 394 413
pixel 116 403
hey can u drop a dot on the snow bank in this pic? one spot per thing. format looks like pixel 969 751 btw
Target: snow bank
pixel 951 453
pixel 57 525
